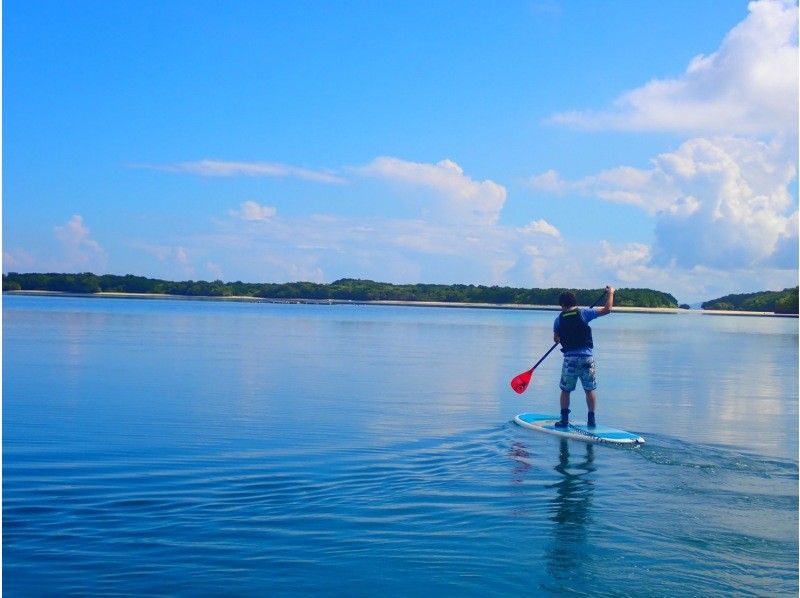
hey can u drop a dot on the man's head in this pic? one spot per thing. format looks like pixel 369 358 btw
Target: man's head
pixel 567 300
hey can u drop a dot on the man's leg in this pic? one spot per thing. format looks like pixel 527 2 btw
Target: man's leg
pixel 569 377
pixel 564 410
pixel 589 385
pixel 591 401
pixel 565 399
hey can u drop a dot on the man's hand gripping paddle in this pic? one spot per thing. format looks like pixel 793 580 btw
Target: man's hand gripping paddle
pixel 521 382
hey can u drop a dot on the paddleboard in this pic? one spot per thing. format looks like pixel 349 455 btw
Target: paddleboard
pixel 577 430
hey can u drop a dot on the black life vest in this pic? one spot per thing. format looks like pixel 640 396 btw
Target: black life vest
pixel 573 331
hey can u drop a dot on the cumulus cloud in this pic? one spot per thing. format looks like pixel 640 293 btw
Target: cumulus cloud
pixel 74 251
pixel 540 227
pixel 631 254
pixel 748 86
pixel 629 263
pixel 75 233
pixel 221 168
pixel 80 251
pixel 459 197
pixel 721 202
pixel 786 249
pixel 733 206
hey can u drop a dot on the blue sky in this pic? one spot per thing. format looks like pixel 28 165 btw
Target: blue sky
pixel 537 143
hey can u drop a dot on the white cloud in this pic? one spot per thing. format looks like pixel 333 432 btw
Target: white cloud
pixel 628 264
pixel 631 254
pixel 80 251
pixel 646 189
pixel 748 86
pixel 721 202
pixel 74 232
pixel 220 168
pixel 459 197
pixel 74 251
pixel 252 211
pixel 540 227
pixel 733 207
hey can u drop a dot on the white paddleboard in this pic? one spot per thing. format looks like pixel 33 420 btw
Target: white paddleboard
pixel 577 430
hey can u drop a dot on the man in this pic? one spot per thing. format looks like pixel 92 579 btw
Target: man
pixel 572 330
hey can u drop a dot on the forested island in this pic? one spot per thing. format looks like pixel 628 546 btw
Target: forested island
pixel 347 289
pixel 780 302
pixel 353 289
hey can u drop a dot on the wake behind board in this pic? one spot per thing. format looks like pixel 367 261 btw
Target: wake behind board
pixel 576 430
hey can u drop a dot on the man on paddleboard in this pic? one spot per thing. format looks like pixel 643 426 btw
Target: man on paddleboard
pixel 572 330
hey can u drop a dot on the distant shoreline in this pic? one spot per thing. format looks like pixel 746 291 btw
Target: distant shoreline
pixel 441 304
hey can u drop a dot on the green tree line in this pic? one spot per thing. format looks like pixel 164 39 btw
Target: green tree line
pixel 344 289
pixel 779 302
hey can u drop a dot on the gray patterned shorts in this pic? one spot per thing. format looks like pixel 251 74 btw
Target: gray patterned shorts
pixel 578 366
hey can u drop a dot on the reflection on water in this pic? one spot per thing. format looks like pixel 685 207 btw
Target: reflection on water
pixel 571 510
pixel 574 492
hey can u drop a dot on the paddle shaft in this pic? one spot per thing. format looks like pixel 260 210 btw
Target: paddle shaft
pixel 550 350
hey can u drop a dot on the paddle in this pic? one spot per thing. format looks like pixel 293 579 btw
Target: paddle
pixel 520 383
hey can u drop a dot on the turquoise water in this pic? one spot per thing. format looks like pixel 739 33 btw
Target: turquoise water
pixel 185 448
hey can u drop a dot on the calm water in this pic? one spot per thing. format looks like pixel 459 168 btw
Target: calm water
pixel 204 448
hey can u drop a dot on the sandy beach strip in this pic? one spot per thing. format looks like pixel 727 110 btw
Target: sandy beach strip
pixel 642 310
pixel 441 304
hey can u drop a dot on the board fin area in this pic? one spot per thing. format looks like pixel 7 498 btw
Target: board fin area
pixel 577 430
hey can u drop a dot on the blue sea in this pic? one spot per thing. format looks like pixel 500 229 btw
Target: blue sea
pixel 202 448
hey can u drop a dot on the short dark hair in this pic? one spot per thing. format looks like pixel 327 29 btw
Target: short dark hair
pixel 567 299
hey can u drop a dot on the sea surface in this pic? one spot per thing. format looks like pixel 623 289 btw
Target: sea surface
pixel 200 448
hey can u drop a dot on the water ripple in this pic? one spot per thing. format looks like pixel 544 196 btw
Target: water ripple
pixel 448 513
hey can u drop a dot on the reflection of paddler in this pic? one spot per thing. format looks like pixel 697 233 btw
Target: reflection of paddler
pixel 570 512
pixel 573 493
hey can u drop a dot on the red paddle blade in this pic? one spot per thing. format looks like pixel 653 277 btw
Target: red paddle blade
pixel 520 383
